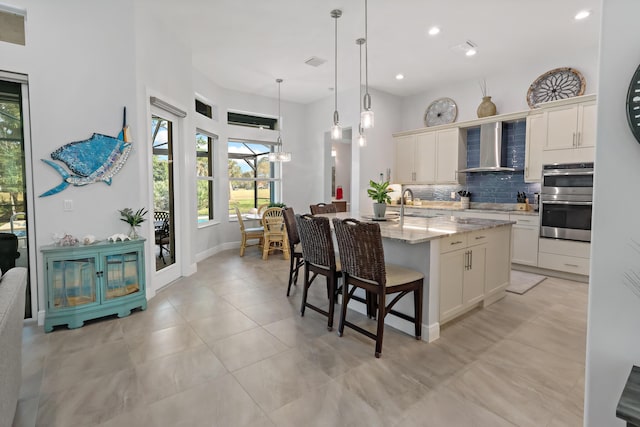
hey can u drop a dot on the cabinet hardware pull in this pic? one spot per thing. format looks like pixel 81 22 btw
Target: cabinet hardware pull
pixel 456 243
pixel 571 265
pixel 578 140
pixel 480 237
pixel 574 139
pixel 470 260
pixel 466 260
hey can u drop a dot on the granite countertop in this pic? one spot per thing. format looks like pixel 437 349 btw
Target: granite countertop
pixel 416 230
pixel 501 208
pixel 629 404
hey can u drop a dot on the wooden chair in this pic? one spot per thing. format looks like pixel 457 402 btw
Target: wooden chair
pixel 162 232
pixel 262 208
pixel 319 258
pixel 295 248
pixel 249 234
pixel 275 235
pixel 363 266
pixel 323 208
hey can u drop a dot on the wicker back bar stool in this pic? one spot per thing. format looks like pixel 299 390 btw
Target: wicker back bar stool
pixel 323 208
pixel 275 235
pixel 319 258
pixel 363 266
pixel 295 247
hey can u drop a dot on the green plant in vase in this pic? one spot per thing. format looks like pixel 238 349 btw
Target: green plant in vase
pixel 134 219
pixel 379 192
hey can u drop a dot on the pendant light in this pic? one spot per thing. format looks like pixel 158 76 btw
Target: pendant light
pixel 336 130
pixel 279 156
pixel 362 139
pixel 366 117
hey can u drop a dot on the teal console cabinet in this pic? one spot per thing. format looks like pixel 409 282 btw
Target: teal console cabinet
pixel 87 282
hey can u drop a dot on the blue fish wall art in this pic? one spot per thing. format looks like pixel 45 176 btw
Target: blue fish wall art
pixel 95 159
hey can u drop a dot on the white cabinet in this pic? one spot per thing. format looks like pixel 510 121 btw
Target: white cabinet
pixel 429 157
pixel 536 138
pixel 564 255
pixel 462 273
pixel 498 261
pixel 571 133
pixel 524 242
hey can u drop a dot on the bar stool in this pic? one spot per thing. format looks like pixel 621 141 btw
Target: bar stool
pixel 275 236
pixel 295 247
pixel 363 266
pixel 323 208
pixel 319 258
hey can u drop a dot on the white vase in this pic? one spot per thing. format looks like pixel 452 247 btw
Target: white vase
pixel 379 210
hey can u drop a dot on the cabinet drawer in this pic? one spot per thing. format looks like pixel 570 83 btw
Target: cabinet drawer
pixel 452 243
pixel 478 237
pixel 532 220
pixel 565 263
pixel 565 247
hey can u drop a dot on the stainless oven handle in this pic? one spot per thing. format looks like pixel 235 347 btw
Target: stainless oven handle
pixel 555 202
pixel 562 173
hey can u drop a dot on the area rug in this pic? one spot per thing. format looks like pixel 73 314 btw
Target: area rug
pixel 521 282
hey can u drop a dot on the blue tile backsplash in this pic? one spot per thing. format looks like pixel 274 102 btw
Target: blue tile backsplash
pixel 489 187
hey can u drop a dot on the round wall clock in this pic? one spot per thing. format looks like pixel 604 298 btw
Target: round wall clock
pixel 633 104
pixel 560 83
pixel 441 112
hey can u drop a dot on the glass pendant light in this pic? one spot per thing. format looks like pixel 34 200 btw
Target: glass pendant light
pixel 336 130
pixel 362 139
pixel 280 155
pixel 366 117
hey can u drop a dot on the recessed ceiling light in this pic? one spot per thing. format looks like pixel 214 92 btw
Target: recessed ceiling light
pixel 433 31
pixel 399 76
pixel 582 14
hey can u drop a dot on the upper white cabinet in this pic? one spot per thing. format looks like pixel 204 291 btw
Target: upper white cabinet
pixel 570 133
pixel 429 157
pixel 535 142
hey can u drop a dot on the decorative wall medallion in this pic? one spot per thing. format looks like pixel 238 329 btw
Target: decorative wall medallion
pixel 633 104
pixel 560 83
pixel 441 112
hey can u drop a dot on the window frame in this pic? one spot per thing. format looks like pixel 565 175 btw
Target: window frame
pixel 210 178
pixel 275 193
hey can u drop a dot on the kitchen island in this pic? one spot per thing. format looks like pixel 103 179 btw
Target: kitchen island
pixel 466 263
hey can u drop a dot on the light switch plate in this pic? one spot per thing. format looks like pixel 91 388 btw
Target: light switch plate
pixel 68 205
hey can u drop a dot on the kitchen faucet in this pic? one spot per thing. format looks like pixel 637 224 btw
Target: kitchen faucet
pixel 403 192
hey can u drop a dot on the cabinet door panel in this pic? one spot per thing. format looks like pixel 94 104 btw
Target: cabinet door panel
pixel 451 279
pixel 447 156
pixel 72 282
pixel 474 275
pixel 425 158
pixel 587 125
pixel 561 128
pixel 535 141
pixel 525 245
pixel 405 156
pixel 121 276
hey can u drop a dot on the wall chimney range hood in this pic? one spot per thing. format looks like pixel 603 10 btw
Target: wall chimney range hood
pixel 490 150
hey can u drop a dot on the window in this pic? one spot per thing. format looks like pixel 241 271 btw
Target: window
pixel 253 180
pixel 204 109
pixel 247 120
pixel 204 176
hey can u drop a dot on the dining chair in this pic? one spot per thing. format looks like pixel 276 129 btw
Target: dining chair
pixel 323 208
pixel 319 258
pixel 262 208
pixel 275 235
pixel 252 233
pixel 162 232
pixel 363 266
pixel 295 247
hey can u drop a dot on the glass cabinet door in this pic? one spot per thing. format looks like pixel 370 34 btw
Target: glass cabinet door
pixel 121 275
pixel 73 282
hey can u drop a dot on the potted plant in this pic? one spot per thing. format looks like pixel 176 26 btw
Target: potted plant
pixel 379 192
pixel 134 219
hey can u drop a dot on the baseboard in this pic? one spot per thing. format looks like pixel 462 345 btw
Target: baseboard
pixel 41 317
pixel 216 249
pixel 550 273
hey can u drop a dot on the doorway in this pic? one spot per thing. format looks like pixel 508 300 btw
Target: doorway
pixel 14 180
pixel 164 131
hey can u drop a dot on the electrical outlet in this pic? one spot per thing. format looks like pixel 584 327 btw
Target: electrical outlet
pixel 453 194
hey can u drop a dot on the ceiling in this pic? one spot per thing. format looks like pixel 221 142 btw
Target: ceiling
pixel 245 45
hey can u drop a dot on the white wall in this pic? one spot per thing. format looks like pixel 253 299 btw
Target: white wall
pixel 508 89
pixel 613 343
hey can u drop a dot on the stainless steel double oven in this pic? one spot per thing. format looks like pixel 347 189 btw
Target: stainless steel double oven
pixel 566 201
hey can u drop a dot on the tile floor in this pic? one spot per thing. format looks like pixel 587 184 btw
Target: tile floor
pixel 225 347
